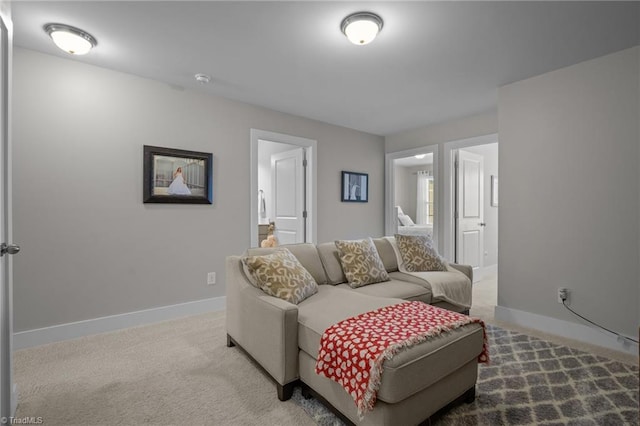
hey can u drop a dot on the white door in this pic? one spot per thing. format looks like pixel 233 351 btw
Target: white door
pixel 288 189
pixel 470 211
pixel 7 398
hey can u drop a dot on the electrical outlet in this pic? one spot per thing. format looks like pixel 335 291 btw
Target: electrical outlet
pixel 211 278
pixel 563 294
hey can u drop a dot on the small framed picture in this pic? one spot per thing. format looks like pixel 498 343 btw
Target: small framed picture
pixel 494 191
pixel 177 176
pixel 355 187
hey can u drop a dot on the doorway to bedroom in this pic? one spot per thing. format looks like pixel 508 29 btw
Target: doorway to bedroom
pixel 412 193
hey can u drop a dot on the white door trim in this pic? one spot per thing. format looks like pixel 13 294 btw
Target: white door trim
pixel 8 393
pixel 390 195
pixel 311 145
pixel 448 199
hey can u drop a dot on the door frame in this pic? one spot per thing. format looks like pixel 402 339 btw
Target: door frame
pixel 8 391
pixel 390 192
pixel 448 220
pixel 311 145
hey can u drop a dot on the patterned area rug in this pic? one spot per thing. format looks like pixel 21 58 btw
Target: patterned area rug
pixel 535 382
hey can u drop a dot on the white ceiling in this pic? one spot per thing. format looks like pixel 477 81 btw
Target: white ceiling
pixel 412 161
pixel 432 62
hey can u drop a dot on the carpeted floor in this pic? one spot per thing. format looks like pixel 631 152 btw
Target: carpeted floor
pixel 534 382
pixel 180 372
pixel 172 373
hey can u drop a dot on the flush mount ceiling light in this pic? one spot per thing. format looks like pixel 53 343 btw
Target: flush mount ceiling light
pixel 202 78
pixel 70 39
pixel 362 27
pixel 420 156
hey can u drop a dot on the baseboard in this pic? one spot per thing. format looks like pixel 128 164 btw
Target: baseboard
pixel 73 330
pixel 570 330
pixel 14 400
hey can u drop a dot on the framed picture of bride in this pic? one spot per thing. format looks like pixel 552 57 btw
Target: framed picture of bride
pixel 177 176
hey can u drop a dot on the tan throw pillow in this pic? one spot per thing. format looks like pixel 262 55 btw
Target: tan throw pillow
pixel 361 262
pixel 418 253
pixel 280 274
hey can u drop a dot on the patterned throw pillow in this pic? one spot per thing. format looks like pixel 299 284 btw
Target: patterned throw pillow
pixel 418 253
pixel 361 262
pixel 281 274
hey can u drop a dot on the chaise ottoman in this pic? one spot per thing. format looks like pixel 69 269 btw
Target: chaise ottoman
pixel 415 384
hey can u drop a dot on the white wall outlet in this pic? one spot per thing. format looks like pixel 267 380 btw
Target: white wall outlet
pixel 211 278
pixel 563 294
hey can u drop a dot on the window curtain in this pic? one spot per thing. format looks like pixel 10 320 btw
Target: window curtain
pixel 422 205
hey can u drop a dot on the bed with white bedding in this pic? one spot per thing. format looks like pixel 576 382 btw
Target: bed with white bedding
pixel 416 230
pixel 406 226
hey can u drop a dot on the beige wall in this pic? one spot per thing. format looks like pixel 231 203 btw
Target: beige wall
pixel 90 247
pixel 569 192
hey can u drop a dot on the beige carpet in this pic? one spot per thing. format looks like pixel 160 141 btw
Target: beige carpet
pixel 174 373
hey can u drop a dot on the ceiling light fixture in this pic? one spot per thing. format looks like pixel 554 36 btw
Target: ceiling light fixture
pixel 362 27
pixel 420 156
pixel 70 39
pixel 202 78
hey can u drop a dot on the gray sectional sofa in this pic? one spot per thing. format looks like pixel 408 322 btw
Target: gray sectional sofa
pixel 285 338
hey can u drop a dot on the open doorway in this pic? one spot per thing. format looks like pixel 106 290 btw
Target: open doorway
pixel 414 194
pixel 283 188
pixel 411 204
pixel 471 212
pixel 477 208
pixel 281 192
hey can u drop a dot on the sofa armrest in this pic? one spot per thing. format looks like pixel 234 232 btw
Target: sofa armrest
pixel 465 269
pixel 264 326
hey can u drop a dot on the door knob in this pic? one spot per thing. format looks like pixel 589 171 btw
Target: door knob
pixel 9 249
pixel 482 224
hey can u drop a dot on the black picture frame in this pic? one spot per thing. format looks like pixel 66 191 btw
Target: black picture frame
pixel 354 187
pixel 162 184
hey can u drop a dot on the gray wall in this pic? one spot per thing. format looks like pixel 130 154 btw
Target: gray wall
pixel 569 191
pixel 490 154
pixel 91 248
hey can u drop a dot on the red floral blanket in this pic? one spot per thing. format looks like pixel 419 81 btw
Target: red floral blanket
pixel 352 351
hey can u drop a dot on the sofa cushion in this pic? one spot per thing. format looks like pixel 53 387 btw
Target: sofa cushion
pixel 330 258
pixel 306 253
pixel 449 286
pixel 409 371
pixel 280 274
pixel 361 262
pixel 387 254
pixel 394 288
pixel 419 254
pixel 329 306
